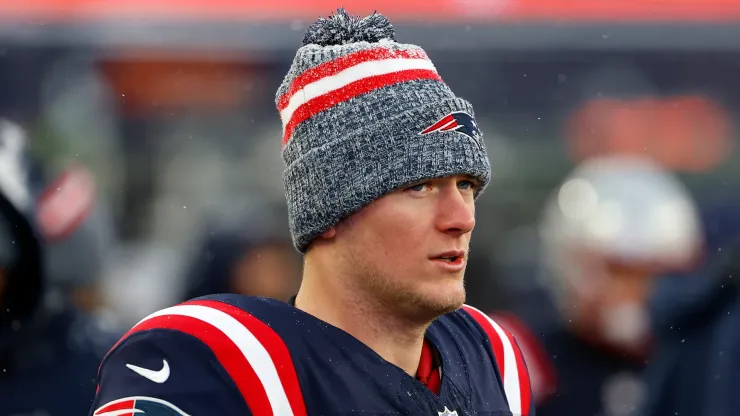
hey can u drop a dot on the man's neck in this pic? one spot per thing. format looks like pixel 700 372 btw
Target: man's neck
pixel 394 339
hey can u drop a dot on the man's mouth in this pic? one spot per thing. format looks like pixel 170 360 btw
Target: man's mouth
pixel 449 259
pixel 452 257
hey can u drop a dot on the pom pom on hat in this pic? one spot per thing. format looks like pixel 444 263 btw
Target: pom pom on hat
pixel 341 29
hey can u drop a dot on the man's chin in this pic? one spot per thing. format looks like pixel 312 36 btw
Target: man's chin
pixel 424 302
pixel 434 306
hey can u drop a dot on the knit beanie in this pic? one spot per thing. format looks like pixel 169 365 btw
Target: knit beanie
pixel 362 116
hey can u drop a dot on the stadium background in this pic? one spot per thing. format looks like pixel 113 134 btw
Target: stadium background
pixel 171 105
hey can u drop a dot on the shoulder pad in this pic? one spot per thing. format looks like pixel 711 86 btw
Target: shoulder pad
pixel 252 354
pixel 509 360
pixel 161 371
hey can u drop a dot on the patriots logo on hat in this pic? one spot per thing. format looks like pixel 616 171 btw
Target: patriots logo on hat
pixel 460 122
pixel 139 405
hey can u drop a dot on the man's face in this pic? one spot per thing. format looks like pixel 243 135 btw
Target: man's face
pixel 409 249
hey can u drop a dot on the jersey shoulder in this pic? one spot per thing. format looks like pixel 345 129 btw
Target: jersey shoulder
pixel 504 351
pixel 211 355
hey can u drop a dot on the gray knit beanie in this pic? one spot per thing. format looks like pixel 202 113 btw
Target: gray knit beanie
pixel 362 116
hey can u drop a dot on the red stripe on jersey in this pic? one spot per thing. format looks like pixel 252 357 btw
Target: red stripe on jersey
pixel 524 385
pixel 228 354
pixel 275 347
pixel 340 64
pixel 122 405
pixel 522 373
pixel 428 371
pixel 496 343
pixel 352 90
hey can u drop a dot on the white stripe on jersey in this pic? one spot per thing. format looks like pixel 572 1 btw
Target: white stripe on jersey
pixel 250 347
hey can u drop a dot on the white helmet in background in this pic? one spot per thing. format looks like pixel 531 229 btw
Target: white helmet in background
pixel 620 210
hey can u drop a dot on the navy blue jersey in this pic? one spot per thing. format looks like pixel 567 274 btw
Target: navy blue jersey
pixel 570 376
pixel 235 355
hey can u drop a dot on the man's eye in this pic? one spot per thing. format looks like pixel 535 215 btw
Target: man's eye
pixel 466 184
pixel 417 188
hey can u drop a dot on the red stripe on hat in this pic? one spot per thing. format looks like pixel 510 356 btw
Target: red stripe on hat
pixel 340 64
pixel 496 343
pixel 274 345
pixel 350 91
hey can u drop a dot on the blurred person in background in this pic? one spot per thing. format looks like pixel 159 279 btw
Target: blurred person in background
pixel 695 369
pixel 249 256
pixel 49 348
pixel 614 225
pixel 79 234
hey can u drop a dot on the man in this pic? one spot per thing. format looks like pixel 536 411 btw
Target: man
pixel 78 230
pixel 613 227
pixel 48 348
pixel 383 167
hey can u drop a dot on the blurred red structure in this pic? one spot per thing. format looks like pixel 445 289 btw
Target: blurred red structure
pixel 688 133
pixel 148 83
pixel 426 10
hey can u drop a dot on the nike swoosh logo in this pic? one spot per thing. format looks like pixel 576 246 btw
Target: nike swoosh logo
pixel 156 376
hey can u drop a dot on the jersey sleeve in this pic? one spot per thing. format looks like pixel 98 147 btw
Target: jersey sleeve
pixel 202 357
pixel 510 362
pixel 162 369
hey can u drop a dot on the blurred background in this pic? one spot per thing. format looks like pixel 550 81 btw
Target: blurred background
pixel 170 105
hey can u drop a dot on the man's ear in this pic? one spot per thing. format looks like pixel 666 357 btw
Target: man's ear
pixel 330 233
pixel 323 239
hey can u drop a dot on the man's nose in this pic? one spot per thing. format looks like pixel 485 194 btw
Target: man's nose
pixel 455 213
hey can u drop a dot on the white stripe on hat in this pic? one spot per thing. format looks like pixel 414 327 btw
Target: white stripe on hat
pixel 352 74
